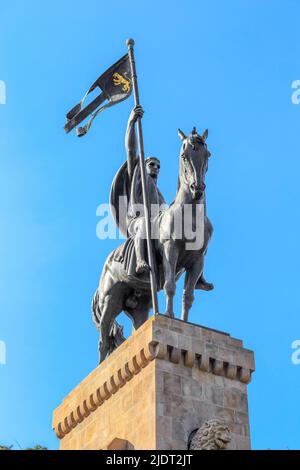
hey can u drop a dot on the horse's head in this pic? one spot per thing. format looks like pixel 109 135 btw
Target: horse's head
pixel 193 162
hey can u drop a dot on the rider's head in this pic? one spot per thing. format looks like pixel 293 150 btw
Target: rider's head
pixel 152 167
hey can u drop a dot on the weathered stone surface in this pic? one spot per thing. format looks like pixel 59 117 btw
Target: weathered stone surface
pixel 235 399
pixel 214 394
pixel 161 384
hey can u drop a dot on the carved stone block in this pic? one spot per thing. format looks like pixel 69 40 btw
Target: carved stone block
pixel 158 389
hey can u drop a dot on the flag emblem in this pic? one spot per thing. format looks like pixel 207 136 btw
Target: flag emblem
pixel 118 79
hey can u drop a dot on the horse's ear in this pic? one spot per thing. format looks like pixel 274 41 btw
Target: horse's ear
pixel 205 135
pixel 181 134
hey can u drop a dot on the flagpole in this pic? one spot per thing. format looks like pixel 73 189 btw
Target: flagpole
pixel 130 44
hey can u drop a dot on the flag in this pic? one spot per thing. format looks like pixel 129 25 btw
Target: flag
pixel 115 85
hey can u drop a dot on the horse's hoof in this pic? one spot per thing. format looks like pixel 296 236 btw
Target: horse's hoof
pixel 170 314
pixel 207 286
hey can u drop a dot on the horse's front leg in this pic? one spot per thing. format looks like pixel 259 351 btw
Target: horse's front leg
pixel 169 264
pixel 191 276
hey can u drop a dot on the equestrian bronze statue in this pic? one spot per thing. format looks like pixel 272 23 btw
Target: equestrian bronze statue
pixel 179 243
pixel 162 242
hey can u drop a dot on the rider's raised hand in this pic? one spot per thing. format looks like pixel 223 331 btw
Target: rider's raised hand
pixel 136 113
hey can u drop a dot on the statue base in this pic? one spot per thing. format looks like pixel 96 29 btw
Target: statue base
pixel 160 385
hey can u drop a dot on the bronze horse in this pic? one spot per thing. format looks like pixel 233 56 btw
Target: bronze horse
pixel 175 251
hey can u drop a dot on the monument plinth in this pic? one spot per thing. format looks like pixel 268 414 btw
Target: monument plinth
pixel 159 386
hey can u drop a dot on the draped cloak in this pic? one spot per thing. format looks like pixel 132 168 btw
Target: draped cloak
pixel 124 196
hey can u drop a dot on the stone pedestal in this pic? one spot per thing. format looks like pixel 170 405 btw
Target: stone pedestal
pixel 161 384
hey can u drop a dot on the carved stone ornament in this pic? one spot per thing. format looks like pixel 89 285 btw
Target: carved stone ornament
pixel 214 434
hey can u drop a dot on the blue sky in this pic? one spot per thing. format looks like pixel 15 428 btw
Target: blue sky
pixel 227 66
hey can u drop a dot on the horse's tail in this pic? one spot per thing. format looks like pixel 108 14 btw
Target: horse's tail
pixel 116 336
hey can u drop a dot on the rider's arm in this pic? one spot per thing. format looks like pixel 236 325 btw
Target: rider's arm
pixel 130 138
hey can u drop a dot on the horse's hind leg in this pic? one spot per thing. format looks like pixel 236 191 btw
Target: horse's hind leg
pixel 103 345
pixel 110 310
